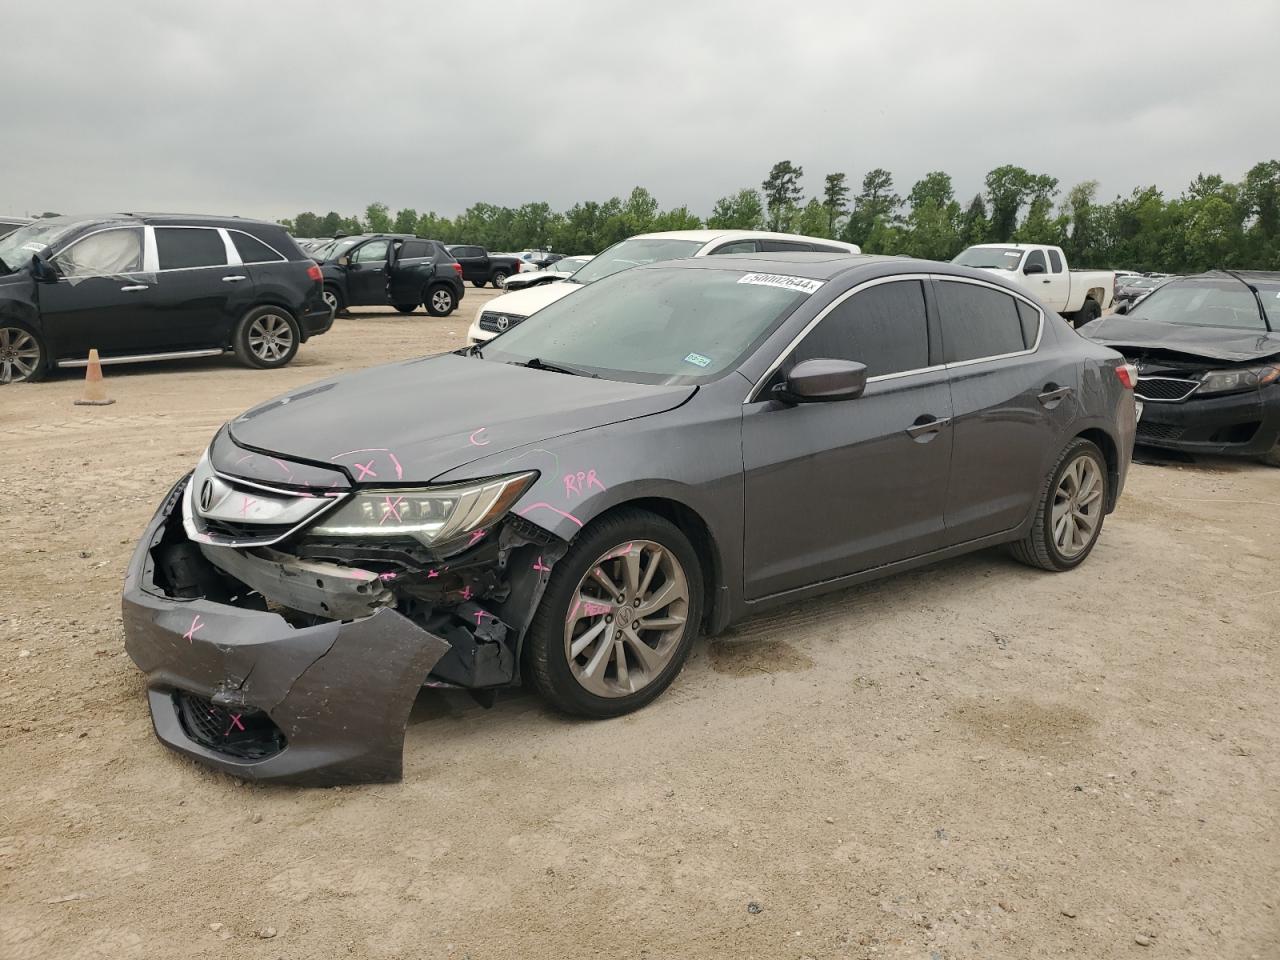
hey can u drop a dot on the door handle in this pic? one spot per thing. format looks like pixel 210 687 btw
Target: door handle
pixel 1053 395
pixel 1044 281
pixel 926 427
pixel 234 279
pixel 136 287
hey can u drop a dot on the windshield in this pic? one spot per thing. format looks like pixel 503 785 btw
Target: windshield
pixel 664 325
pixel 1141 283
pixel 634 253
pixel 335 248
pixel 17 248
pixel 1002 258
pixel 1212 303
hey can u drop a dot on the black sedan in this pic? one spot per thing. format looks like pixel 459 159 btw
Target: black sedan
pixel 669 450
pixel 143 287
pixel 1207 350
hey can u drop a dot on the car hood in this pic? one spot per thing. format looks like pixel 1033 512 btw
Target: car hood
pixel 18 284
pixel 412 421
pixel 1212 343
pixel 524 302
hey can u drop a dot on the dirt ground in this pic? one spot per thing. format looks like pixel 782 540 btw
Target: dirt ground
pixel 977 760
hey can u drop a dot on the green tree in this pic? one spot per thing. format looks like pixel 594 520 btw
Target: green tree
pixel 1082 216
pixel 974 226
pixel 678 218
pixel 740 211
pixel 874 211
pixel 813 220
pixel 639 211
pixel 782 193
pixel 835 198
pixel 406 221
pixel 308 225
pixel 378 218
pixel 932 228
pixel 1009 189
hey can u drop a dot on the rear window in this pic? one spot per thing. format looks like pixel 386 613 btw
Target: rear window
pixel 977 322
pixel 182 248
pixel 415 249
pixel 253 250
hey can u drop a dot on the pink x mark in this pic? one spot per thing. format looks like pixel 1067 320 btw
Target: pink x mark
pixel 432 573
pixel 476 538
pixel 391 510
pixel 248 502
pixel 541 567
pixel 366 470
pixel 235 724
pixel 466 592
pixel 480 615
pixel 196 627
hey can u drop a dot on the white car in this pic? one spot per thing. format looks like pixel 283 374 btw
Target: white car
pixel 548 274
pixel 504 312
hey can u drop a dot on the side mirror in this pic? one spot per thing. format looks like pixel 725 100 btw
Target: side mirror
pixel 820 380
pixel 344 261
pixel 1031 268
pixel 42 270
pixel 1123 308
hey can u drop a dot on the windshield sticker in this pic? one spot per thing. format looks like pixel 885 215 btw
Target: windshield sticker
pixel 697 359
pixel 1013 253
pixel 799 284
pixel 35 247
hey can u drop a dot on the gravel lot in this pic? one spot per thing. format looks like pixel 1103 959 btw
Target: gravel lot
pixel 976 760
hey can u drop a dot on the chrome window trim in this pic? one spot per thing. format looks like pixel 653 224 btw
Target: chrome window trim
pixel 1010 293
pixel 228 249
pixel 753 393
pixel 93 233
pixel 283 258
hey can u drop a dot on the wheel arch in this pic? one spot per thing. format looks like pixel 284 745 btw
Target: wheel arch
pixel 1111 453
pixel 693 526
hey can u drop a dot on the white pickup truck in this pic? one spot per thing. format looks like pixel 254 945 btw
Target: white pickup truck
pixel 1079 295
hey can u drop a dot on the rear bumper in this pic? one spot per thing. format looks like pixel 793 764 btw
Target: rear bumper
pixel 316 319
pixel 245 692
pixel 1240 424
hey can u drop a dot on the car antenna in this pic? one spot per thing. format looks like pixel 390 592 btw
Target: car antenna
pixel 1262 309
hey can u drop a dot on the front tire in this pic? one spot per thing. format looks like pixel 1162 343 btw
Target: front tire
pixel 333 298
pixel 266 338
pixel 1073 504
pixel 406 307
pixel 1272 457
pixel 440 301
pixel 22 354
pixel 618 618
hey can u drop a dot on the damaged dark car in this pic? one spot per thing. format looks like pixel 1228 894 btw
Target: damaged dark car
pixel 670 450
pixel 1208 357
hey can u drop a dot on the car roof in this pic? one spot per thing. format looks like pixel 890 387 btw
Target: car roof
pixel 706 236
pixel 152 218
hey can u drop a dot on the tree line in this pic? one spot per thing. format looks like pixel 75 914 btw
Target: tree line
pixel 1212 223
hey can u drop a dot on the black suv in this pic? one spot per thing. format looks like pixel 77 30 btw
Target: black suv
pixel 481 267
pixel 397 269
pixel 152 287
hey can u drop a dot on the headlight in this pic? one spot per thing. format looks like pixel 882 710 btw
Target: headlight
pixel 1229 381
pixel 432 515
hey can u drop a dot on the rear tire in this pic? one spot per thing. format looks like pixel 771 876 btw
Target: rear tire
pixel 1073 504
pixel 266 338
pixel 1272 457
pixel 1091 310
pixel 23 357
pixel 499 279
pixel 664 577
pixel 477 283
pixel 441 301
pixel 406 307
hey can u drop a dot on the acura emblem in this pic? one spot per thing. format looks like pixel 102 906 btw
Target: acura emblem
pixel 206 496
pixel 504 322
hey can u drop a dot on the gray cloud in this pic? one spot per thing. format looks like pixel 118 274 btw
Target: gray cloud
pixel 267 109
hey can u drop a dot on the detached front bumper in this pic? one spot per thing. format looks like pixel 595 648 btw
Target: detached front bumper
pixel 1238 424
pixel 244 691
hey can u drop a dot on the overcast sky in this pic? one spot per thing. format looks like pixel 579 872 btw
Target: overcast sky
pixel 268 108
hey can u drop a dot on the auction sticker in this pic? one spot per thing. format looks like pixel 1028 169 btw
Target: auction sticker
pixel 798 284
pixel 698 360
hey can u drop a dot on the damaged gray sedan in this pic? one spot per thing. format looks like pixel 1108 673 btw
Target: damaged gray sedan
pixel 675 448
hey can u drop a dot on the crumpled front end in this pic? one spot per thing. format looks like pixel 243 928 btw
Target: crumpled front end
pixel 300 661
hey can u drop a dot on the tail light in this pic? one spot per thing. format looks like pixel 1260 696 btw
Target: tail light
pixel 313 273
pixel 1127 374
pixel 457 268
pixel 519 264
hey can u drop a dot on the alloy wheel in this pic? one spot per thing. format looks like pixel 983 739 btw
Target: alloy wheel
pixel 330 300
pixel 19 355
pixel 1077 506
pixel 626 619
pixel 442 301
pixel 270 337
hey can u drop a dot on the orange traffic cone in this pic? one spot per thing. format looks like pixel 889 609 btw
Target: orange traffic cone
pixel 95 393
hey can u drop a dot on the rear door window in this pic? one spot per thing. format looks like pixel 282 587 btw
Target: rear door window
pixel 885 327
pixel 184 248
pixel 736 246
pixel 253 250
pixel 1055 261
pixel 977 321
pixel 1029 317
pixel 785 246
pixel 415 250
